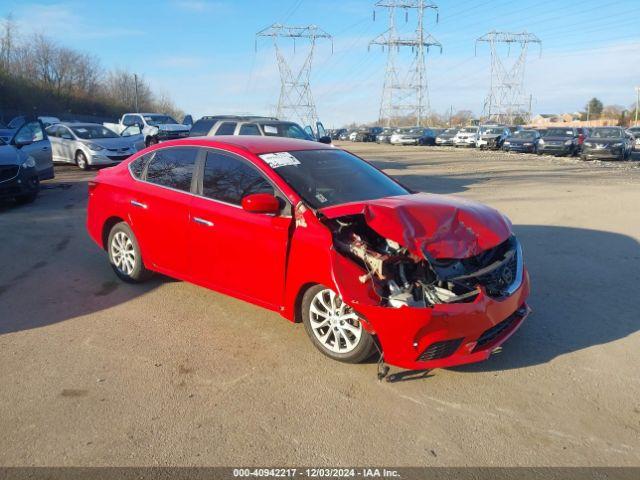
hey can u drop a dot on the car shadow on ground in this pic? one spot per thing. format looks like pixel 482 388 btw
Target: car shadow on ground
pixel 584 293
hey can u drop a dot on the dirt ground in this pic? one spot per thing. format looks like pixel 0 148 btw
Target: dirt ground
pixel 97 372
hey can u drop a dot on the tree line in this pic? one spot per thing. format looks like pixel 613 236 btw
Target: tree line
pixel 37 75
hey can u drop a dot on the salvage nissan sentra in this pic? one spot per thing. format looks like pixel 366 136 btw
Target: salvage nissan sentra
pixel 322 237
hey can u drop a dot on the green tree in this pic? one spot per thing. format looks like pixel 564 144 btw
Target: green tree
pixel 594 107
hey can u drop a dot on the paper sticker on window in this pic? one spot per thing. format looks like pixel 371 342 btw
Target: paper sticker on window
pixel 280 159
pixel 321 198
pixel 270 129
pixel 81 130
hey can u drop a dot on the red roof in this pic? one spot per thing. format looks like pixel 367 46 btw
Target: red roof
pixel 253 143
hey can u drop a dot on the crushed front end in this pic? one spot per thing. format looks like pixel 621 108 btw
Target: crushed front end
pixel 426 308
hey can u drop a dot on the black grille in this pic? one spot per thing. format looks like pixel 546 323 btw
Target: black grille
pixel 440 350
pixel 500 279
pixel 8 172
pixel 118 157
pixel 497 330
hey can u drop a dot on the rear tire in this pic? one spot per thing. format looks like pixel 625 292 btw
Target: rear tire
pixel 125 255
pixel 334 327
pixel 25 199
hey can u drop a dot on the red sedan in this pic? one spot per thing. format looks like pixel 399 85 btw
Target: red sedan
pixel 322 237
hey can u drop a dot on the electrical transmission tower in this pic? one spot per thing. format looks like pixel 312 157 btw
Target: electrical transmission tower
pixel 295 101
pixel 405 92
pixel 506 99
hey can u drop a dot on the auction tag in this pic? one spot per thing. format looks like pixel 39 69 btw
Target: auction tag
pixel 280 159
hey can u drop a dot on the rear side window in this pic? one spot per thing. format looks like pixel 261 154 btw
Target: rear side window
pixel 227 128
pixel 249 129
pixel 229 179
pixel 201 128
pixel 137 166
pixel 173 167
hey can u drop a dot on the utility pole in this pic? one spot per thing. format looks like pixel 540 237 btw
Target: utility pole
pixel 450 114
pixel 295 101
pixel 637 104
pixel 506 94
pixel 588 113
pixel 135 81
pixel 405 92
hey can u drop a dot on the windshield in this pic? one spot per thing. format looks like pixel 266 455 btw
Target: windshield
pixel 159 119
pixel 331 177
pixel 469 130
pixel 89 132
pixel 558 132
pixel 606 133
pixel 524 134
pixel 289 130
pixel 450 131
pixel 491 131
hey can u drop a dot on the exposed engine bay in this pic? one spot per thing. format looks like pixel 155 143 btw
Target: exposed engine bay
pixel 401 278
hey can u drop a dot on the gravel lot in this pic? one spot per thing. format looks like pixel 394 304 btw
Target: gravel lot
pixel 97 372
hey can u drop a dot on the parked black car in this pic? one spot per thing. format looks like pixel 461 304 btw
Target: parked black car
pixel 337 133
pixel 525 141
pixel 559 141
pixel 607 143
pixel 368 134
pixel 428 137
pixel 24 161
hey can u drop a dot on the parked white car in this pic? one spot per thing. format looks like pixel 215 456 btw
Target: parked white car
pixel 156 127
pixel 353 135
pixel 406 136
pixel 91 144
pixel 466 137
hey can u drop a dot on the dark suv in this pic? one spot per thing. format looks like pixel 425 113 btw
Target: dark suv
pixel 254 125
pixel 560 141
pixel 368 134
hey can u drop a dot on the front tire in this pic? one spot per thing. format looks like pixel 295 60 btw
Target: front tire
pixel 81 160
pixel 125 256
pixel 333 327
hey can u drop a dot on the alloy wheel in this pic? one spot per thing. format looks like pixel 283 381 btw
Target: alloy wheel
pixel 334 323
pixel 123 253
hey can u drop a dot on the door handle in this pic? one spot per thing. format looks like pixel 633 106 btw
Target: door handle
pixel 45 149
pixel 138 204
pixel 202 221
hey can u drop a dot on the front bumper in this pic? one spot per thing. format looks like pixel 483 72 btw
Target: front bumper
pixel 107 158
pixel 602 153
pixel 23 182
pixel 465 142
pixel 164 136
pixel 490 143
pixel 404 141
pixel 519 147
pixel 444 141
pixel 555 149
pixel 447 334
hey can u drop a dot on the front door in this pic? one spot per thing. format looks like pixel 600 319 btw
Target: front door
pixel 33 141
pixel 232 250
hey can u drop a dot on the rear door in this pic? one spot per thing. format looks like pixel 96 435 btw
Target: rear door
pixel 159 209
pixel 232 250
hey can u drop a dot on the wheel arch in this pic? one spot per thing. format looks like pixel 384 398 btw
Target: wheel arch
pixel 296 314
pixel 106 229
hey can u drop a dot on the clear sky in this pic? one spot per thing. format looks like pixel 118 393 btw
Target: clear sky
pixel 203 52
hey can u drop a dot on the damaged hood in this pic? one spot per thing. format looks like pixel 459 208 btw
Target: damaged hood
pixel 438 225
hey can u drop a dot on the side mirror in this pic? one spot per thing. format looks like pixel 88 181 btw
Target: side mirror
pixel 325 139
pixel 22 143
pixel 261 203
